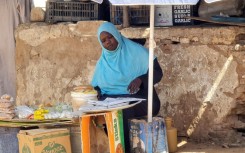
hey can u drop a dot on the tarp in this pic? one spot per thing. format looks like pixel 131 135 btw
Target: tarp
pixel 12 12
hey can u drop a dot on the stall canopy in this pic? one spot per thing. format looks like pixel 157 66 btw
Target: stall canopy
pixel 212 1
pixel 151 2
pixel 151 38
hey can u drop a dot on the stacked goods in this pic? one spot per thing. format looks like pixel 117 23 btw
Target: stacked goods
pixel 81 94
pixel 47 111
pixel 6 107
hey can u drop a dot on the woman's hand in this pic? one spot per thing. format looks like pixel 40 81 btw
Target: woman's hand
pixel 98 95
pixel 134 86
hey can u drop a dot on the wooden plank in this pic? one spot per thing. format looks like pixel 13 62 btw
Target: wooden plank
pixel 110 129
pixel 85 131
pixel 216 22
pixel 26 124
pixel 36 121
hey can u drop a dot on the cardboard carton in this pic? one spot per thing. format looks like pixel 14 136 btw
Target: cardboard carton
pixel 93 139
pixel 44 141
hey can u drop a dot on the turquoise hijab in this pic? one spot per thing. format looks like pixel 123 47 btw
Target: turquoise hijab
pixel 116 69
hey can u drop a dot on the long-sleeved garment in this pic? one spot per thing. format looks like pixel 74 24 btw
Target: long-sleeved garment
pixel 13 12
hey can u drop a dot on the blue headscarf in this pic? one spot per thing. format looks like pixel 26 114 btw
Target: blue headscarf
pixel 116 69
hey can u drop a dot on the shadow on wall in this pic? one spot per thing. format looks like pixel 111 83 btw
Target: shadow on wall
pixel 199 114
pixel 209 96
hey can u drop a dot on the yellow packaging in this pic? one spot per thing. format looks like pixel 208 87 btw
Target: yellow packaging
pixel 39 114
pixel 44 141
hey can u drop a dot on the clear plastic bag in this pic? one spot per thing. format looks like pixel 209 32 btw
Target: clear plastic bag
pixel 24 112
pixel 60 110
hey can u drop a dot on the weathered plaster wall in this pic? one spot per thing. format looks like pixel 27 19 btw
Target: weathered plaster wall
pixel 203 84
pixel 52 59
pixel 204 71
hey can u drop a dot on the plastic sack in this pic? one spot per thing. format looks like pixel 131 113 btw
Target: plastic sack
pixel 24 112
pixel 57 115
pixel 60 110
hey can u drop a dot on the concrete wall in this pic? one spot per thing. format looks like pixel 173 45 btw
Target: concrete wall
pixel 204 71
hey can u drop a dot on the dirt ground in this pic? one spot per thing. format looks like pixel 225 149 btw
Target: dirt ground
pixel 191 147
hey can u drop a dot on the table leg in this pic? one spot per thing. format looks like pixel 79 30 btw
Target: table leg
pixel 84 125
pixel 110 130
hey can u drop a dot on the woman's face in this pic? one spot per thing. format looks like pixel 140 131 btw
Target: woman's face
pixel 108 41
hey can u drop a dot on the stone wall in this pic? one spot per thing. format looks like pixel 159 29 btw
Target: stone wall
pixel 204 72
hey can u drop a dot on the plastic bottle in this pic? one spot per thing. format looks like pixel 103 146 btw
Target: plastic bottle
pixel 171 135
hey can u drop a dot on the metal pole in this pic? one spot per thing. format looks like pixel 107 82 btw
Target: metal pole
pixel 151 56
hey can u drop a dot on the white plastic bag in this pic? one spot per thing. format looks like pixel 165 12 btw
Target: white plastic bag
pixel 24 112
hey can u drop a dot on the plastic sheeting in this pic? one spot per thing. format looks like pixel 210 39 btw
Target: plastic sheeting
pixel 150 2
pixel 11 12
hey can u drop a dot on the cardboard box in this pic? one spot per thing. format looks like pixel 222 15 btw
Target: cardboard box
pixel 93 140
pixel 173 15
pixel 115 132
pixel 44 141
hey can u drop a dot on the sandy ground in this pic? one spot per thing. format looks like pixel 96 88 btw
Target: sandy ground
pixel 191 147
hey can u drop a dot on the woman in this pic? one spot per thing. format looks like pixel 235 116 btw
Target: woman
pixel 122 71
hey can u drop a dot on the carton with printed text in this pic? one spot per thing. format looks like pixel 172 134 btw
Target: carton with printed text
pixel 44 141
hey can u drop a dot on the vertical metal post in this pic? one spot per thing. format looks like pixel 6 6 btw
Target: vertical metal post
pixel 151 56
